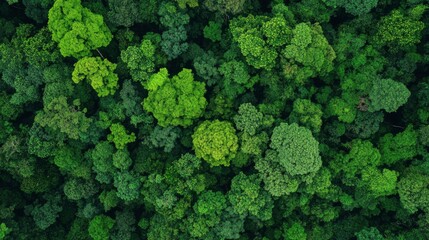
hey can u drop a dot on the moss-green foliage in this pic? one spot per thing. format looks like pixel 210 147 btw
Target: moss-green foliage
pixel 214 119
pixel 59 115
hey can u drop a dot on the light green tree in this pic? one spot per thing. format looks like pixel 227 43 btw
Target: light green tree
pixel 215 142
pixel 99 73
pixel 119 136
pixel 175 101
pixel 76 29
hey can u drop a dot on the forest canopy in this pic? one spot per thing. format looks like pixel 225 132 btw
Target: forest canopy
pixel 214 119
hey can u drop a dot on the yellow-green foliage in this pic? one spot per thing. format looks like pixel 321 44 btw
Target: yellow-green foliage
pixel 215 142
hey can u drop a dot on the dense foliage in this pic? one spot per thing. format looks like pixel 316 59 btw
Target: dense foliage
pixel 214 119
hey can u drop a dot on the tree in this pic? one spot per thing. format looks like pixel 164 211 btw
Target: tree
pixel 399 147
pixel 171 16
pixel 214 119
pixel 190 3
pixel 248 33
pixel 207 213
pixel 76 230
pixel 101 156
pixel 318 56
pixel 173 39
pixel 213 31
pixel 387 94
pixel 76 29
pixel 247 197
pixel 164 137
pixel 295 232
pixel 170 193
pixel 362 155
pixel 277 31
pixel 298 150
pixel 127 185
pixel 59 115
pixel 206 66
pixel 175 101
pixel 123 13
pixel 215 142
pixel 253 144
pixel 55 86
pixel 248 119
pixel 131 101
pixel 292 161
pixel 119 136
pixel 122 159
pixel 399 30
pixel 173 42
pixel 23 60
pixel 45 215
pixel 413 190
pixel 369 233
pixel 37 9
pixel 343 110
pixel 148 10
pixel 307 114
pixel 76 189
pixel 256 52
pixel 4 230
pixel 70 160
pixel 366 124
pixel 236 78
pixel 380 183
pixel 109 199
pixel 225 6
pixel 100 226
pixel 140 60
pixel 353 7
pixel 99 74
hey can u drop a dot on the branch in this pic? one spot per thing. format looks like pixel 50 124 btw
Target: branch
pixel 100 54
